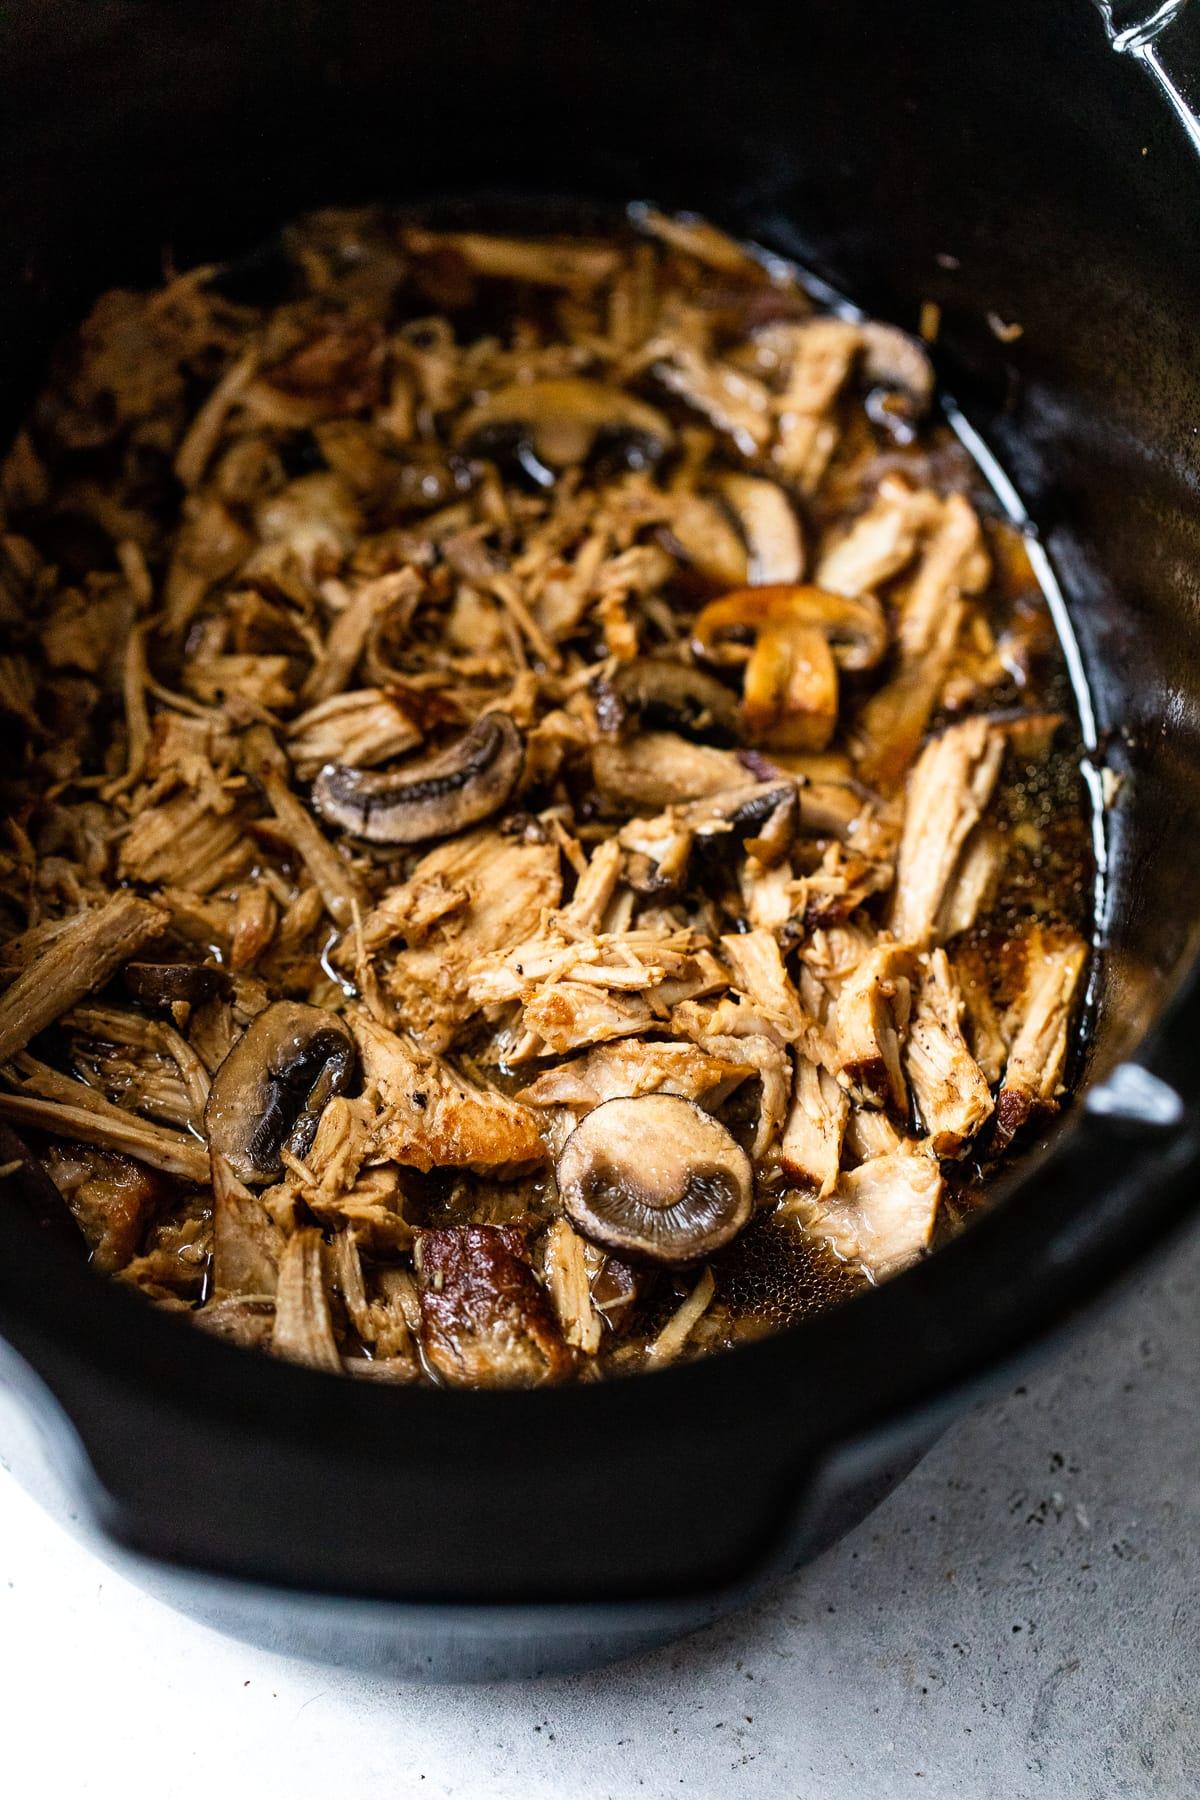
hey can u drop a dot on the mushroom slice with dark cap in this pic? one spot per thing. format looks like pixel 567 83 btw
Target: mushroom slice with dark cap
pixel 853 625
pixel 761 816
pixel 655 1176
pixel 769 526
pixel 269 1093
pixel 430 799
pixel 171 984
pixel 674 696
pixel 563 416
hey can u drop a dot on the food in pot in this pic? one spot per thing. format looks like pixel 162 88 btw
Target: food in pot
pixel 543 834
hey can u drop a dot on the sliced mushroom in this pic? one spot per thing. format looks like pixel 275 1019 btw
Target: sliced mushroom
pixel 891 359
pixel 169 984
pixel 769 526
pixel 790 693
pixel 674 696
pixel 854 625
pixel 707 538
pixel 659 768
pixel 430 799
pixel 792 639
pixel 761 816
pixel 270 1091
pixel 655 1176
pixel 563 416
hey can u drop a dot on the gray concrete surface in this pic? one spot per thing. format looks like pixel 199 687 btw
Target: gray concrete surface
pixel 1022 1618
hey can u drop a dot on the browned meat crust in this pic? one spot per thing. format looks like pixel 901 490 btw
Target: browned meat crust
pixel 949 1087
pixel 485 1319
pixel 1039 1027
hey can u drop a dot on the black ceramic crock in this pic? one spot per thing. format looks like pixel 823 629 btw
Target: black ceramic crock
pixel 1036 161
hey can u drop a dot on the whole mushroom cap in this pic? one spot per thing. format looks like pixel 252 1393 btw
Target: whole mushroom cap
pixel 655 1176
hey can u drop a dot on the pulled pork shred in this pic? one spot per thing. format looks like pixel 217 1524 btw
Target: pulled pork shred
pixel 707 638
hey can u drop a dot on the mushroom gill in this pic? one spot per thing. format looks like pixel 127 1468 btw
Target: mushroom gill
pixel 563 416
pixel 270 1091
pixel 655 1176
pixel 673 696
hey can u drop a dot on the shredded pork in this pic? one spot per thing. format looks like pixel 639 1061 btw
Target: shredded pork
pixel 495 681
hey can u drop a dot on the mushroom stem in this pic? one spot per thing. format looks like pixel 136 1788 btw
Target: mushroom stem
pixel 798 637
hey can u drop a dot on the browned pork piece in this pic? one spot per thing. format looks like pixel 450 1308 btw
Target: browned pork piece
pixel 633 1067
pixel 733 1029
pixel 471 897
pixel 1039 1030
pixel 568 1282
pixel 810 1150
pixel 248 1241
pixel 881 541
pixel 356 730
pixel 510 870
pixel 950 1089
pixel 893 721
pixel 142 1063
pixel 947 793
pixel 431 1117
pixel 734 403
pixel 486 1321
pixel 94 1121
pixel 111 1197
pixel 303 1330
pixel 576 266
pixel 80 958
pixel 954 563
pixel 345 1181
pixel 883 1213
pixel 383 1308
pixel 871 1024
pixel 816 358
pixel 330 872
pixel 985 1027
